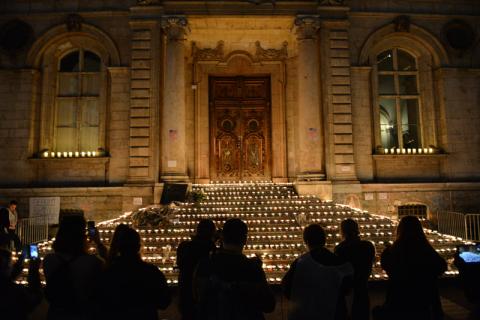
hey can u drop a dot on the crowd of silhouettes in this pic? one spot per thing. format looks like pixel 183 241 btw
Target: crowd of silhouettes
pixel 217 281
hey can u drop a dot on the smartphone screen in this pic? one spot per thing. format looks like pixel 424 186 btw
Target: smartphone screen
pixel 91 228
pixel 469 253
pixel 33 251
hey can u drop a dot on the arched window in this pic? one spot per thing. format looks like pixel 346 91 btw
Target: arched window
pixel 398 102
pixel 78 96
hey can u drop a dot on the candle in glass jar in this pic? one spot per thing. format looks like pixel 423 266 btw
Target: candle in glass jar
pixel 430 150
pixel 45 154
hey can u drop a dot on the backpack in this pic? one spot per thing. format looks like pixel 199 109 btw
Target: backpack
pixel 222 300
pixel 60 290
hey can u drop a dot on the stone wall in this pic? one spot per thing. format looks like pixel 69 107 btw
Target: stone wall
pixel 97 203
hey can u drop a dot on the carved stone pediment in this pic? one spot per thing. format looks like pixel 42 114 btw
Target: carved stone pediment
pixel 271 54
pixel 214 54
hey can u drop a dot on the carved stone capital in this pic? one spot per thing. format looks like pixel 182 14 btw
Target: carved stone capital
pixel 306 27
pixel 208 53
pixel 74 22
pixel 271 54
pixel 176 27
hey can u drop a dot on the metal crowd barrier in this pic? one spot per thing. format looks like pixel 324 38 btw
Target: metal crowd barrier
pixel 465 226
pixel 33 229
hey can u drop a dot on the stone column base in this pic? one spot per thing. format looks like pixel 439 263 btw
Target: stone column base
pixel 321 189
pixel 175 178
pixel 311 177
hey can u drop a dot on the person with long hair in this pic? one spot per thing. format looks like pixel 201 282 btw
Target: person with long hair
pixel 131 288
pixel 413 267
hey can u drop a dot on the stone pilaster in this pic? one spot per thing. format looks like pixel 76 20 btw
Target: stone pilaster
pixel 338 100
pixel 144 102
pixel 310 155
pixel 173 120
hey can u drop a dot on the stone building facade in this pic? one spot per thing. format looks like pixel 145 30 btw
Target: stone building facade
pixel 371 103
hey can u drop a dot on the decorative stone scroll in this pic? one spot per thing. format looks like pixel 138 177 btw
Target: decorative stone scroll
pixel 208 53
pixel 271 54
pixel 176 27
pixel 74 22
pixel 402 24
pixel 306 27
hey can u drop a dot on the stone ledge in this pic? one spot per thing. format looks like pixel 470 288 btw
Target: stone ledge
pixel 98 160
pixel 409 156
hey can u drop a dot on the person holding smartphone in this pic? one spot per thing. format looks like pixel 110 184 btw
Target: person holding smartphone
pixel 17 301
pixel 467 261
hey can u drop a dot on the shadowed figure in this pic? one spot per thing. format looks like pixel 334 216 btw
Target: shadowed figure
pixel 230 286
pixel 316 282
pixel 413 267
pixel 70 272
pixel 189 253
pixel 17 301
pixel 361 254
pixel 131 288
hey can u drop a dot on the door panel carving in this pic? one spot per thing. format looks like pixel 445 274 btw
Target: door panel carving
pixel 240 118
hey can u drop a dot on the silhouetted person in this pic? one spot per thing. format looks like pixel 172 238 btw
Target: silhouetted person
pixel 361 254
pixel 413 268
pixel 469 274
pixel 113 252
pixel 8 223
pixel 189 253
pixel 228 285
pixel 71 273
pixel 131 288
pixel 17 301
pixel 317 281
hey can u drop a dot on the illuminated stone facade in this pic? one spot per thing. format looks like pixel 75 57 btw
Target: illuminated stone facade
pixel 152 120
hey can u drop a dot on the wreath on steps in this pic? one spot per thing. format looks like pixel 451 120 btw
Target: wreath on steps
pixel 158 216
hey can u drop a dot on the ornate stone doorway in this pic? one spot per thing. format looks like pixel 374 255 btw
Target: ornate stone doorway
pixel 240 128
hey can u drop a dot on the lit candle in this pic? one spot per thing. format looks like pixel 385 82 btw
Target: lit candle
pixel 65 154
pixel 392 151
pixel 70 154
pixel 425 150
pixel 414 151
pixel 45 154
pixel 94 153
pixel 52 154
pixel 59 154
pixel 403 150
pixel 420 150
pixel 385 151
pixel 83 153
pixel 409 151
pixel 77 154
pixel 430 150
pixel 398 150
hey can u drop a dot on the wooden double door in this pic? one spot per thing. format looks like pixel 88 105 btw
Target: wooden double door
pixel 240 128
